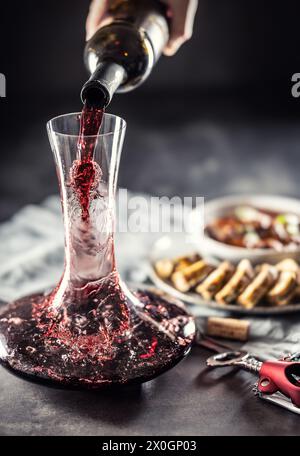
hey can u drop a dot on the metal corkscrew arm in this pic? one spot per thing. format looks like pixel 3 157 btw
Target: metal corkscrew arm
pixel 250 364
pixel 235 358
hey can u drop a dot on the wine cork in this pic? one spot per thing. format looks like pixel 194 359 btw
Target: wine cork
pixel 228 328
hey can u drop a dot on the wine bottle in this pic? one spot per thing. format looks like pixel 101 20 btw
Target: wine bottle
pixel 122 53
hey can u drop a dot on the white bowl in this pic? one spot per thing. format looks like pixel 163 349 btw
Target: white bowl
pixel 218 207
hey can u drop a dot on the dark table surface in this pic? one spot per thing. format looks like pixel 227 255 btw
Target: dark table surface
pixel 199 153
pixel 187 400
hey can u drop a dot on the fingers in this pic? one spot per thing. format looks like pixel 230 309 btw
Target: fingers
pixel 96 13
pixel 182 13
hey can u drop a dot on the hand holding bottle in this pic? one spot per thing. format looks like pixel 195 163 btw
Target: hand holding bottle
pixel 181 14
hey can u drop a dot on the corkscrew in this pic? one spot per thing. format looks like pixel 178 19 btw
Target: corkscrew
pixel 279 381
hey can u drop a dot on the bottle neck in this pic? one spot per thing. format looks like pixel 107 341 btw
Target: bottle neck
pixel 103 83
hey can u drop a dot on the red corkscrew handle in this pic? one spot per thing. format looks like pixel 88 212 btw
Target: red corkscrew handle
pixel 281 376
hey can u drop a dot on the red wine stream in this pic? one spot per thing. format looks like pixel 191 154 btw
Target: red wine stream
pixel 85 173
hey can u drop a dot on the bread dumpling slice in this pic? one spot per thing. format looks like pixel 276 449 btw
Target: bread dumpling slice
pixel 284 289
pixel 166 266
pixel 242 276
pixel 188 277
pixel 215 280
pixel 258 287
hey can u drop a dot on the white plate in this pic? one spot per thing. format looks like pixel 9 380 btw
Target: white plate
pixel 172 246
pixel 217 207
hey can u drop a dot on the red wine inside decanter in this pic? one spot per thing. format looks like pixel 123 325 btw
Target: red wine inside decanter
pixel 85 172
pixel 90 332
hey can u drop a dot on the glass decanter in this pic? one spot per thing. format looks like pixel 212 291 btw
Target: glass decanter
pixel 91 331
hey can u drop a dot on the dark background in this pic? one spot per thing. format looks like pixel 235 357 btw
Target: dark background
pixel 217 118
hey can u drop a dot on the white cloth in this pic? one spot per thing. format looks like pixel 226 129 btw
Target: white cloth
pixel 32 256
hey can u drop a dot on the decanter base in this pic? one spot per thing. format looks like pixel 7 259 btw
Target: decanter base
pixel 159 335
